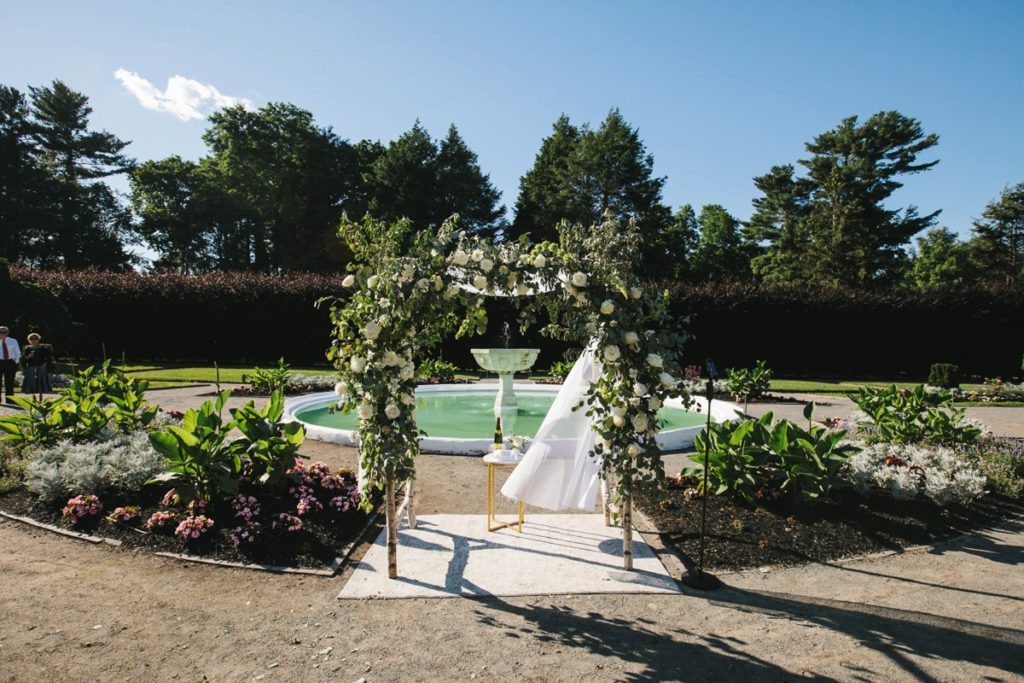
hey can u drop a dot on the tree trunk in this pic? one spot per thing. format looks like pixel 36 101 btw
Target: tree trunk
pixel 605 502
pixel 392 519
pixel 409 492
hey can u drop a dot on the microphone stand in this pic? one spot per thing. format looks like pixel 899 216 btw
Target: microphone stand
pixel 699 579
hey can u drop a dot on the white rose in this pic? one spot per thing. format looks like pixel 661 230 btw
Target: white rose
pixel 392 411
pixel 667 379
pixel 371 282
pixel 477 255
pixel 423 283
pixel 407 399
pixel 633 450
pixel 480 282
pixel 357 364
pixel 438 283
pixel 612 353
pixel 371 331
pixel 640 389
pixel 618 421
pixel 540 261
pixel 654 360
pixel 407 273
pixel 383 319
pixel 451 291
pixel 654 403
pixel 632 338
pixel 365 411
pixel 392 358
pixel 341 389
pixel 640 422
pixel 460 258
pixel 349 280
pixel 522 289
pixel 406 372
pixel 607 308
pixel 619 411
pixel 487 265
pixel 579 279
pixel 635 292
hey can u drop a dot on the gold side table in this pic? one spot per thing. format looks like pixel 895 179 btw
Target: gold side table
pixel 493 464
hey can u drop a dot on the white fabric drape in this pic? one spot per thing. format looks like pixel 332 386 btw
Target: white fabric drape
pixel 558 471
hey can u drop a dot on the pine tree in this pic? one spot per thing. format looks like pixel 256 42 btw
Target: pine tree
pixel 670 252
pixel 546 194
pixel 998 243
pixel 722 252
pixel 23 182
pixel 464 189
pixel 780 219
pixel 90 224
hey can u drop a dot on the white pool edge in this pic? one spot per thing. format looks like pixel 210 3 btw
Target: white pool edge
pixel 670 440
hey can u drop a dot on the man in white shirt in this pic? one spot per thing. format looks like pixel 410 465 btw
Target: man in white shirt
pixel 10 356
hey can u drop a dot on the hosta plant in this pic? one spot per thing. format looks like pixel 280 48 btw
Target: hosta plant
pixel 270 380
pixel 914 415
pixel 748 383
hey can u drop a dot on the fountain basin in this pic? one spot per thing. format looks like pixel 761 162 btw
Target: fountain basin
pixel 458 418
pixel 505 361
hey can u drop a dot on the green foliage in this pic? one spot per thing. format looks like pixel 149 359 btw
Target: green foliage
pixel 944 375
pixel 435 368
pixel 560 369
pixel 723 250
pixel 99 398
pixel 30 307
pixel 12 467
pixel 748 383
pixel 579 174
pixel 834 227
pixel 1001 460
pixel 269 381
pixel 998 243
pixel 204 464
pixel 750 459
pixel 914 415
pixel 941 261
pixel 268 443
pixel 200 462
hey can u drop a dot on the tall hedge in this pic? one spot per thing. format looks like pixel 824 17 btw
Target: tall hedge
pixel 252 318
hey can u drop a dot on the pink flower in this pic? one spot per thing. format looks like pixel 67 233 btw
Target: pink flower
pixel 193 526
pixel 80 507
pixel 160 519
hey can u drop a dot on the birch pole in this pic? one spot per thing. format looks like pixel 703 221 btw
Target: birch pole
pixel 392 519
pixel 627 525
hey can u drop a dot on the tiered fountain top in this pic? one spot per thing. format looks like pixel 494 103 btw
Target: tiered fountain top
pixel 504 361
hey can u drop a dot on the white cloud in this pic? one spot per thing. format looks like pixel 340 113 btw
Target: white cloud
pixel 184 98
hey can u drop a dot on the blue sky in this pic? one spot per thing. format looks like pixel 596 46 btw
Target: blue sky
pixel 719 91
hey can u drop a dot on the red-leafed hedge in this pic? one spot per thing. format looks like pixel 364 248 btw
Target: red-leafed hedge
pixel 254 318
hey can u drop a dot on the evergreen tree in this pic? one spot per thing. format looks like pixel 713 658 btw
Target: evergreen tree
pixel 671 251
pixel 464 189
pixel 580 175
pixel 833 227
pixel 546 192
pixel 23 182
pixel 780 220
pixel 941 261
pixel 998 243
pixel 722 251
pixel 89 223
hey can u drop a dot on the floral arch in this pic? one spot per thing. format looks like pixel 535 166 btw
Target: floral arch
pixel 409 291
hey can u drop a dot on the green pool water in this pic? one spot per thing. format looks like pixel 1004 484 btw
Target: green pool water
pixel 470 415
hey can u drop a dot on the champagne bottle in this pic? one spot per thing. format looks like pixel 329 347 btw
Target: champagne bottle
pixel 498 440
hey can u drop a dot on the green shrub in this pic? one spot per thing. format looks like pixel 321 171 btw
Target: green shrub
pixel 944 376
pixel 758 459
pixel 203 464
pixel 268 381
pixel 913 416
pixel 12 468
pixel 748 383
pixel 560 369
pixel 99 398
pixel 1001 460
pixel 436 369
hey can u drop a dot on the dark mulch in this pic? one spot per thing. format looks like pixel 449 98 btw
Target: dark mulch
pixel 783 533
pixel 320 541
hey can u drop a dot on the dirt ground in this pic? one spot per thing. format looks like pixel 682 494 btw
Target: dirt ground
pixel 73 611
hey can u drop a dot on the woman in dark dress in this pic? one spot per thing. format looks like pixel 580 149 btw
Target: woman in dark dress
pixel 37 359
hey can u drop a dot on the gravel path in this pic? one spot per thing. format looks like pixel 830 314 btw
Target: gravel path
pixel 77 612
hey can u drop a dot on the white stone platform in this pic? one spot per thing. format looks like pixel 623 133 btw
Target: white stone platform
pixel 455 555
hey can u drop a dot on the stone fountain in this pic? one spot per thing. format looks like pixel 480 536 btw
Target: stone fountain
pixel 506 362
